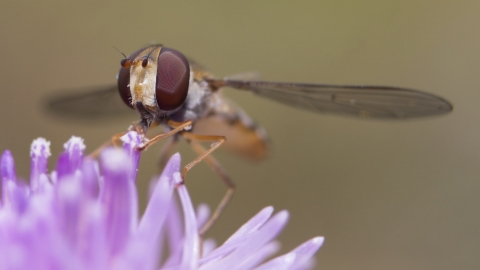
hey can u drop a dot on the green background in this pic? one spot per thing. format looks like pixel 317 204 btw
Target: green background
pixel 386 195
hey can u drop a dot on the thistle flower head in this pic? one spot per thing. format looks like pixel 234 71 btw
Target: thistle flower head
pixel 84 215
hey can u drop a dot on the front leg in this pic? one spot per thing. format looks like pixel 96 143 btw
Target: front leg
pixel 194 141
pixel 177 127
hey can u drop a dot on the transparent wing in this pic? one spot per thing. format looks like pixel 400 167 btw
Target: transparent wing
pixel 88 104
pixel 351 100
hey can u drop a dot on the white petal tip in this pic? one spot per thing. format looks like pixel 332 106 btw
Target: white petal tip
pixel 74 141
pixel 283 215
pixel 40 147
pixel 131 137
pixel 114 159
pixel 318 240
pixel 175 159
pixel 290 257
pixel 177 177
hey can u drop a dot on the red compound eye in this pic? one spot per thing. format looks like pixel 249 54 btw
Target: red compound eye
pixel 173 78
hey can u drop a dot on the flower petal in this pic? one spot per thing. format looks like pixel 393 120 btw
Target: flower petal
pixel 252 243
pixel 94 251
pixel 160 199
pixel 9 177
pixel 208 246
pixel 7 167
pixel 239 236
pixel 62 166
pixel 297 258
pixel 203 213
pixel 16 195
pixel 39 153
pixel 260 255
pixel 284 262
pixel 191 241
pixel 305 251
pixel 74 147
pixel 253 224
pixel 175 236
pixel 68 201
pixel 71 160
pixel 144 249
pixel 90 176
pixel 118 197
pixel 130 142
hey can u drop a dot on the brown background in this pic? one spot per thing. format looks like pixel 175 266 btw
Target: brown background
pixel 386 195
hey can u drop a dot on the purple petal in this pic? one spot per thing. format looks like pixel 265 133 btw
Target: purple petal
pixel 39 153
pixel 159 203
pixel 297 258
pixel 74 148
pixel 191 242
pixel 305 251
pixel 174 167
pixel 62 166
pixel 253 242
pixel 203 213
pixel 90 178
pixel 69 208
pixel 118 197
pixel 253 224
pixel 238 237
pixel 208 246
pixel 260 255
pixel 16 194
pixel 279 263
pixel 145 249
pixel 7 170
pixel 175 236
pixel 71 159
pixel 7 166
pixel 44 184
pixel 174 223
pixel 39 234
pixel 130 142
pixel 95 253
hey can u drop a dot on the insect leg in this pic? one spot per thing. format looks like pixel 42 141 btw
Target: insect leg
pixel 194 140
pixel 113 141
pixel 178 127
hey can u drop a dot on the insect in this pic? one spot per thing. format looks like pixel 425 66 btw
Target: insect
pixel 166 88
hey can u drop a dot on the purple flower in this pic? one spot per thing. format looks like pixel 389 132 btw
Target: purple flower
pixel 84 215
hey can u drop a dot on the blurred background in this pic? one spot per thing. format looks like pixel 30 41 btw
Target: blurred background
pixel 386 195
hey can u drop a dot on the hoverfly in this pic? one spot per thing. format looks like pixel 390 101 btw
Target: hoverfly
pixel 166 88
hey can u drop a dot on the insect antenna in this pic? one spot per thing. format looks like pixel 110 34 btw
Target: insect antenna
pixel 125 61
pixel 145 61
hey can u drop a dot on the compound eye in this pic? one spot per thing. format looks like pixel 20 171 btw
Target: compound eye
pixel 124 78
pixel 124 86
pixel 173 78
